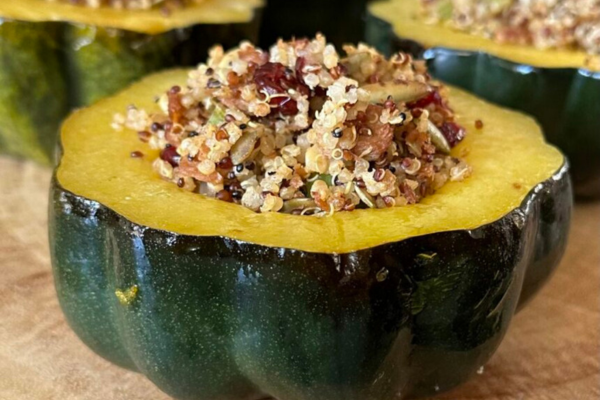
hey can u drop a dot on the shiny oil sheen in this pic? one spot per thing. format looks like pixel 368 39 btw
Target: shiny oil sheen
pixel 217 318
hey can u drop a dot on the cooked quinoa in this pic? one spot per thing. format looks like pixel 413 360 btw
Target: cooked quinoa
pixel 127 4
pixel 302 129
pixel 542 23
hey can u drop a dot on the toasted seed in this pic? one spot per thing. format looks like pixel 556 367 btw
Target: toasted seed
pixel 243 148
pixel 295 204
pixel 437 138
pixel 400 92
pixel 365 197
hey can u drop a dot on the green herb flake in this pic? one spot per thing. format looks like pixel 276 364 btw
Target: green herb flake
pixel 217 117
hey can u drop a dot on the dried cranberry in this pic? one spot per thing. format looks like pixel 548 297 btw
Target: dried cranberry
pixel 224 195
pixel 234 186
pixel 269 77
pixel 275 78
pixel 285 105
pixel 170 155
pixel 453 133
pixel 319 92
pixel 432 98
pixel 226 163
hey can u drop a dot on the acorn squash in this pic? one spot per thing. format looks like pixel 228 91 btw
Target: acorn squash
pixel 210 300
pixel 560 88
pixel 55 56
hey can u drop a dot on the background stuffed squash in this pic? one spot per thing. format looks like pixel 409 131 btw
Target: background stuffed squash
pixel 55 56
pixel 560 88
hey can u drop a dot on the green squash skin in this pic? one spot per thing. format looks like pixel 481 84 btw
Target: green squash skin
pixel 565 101
pixel 69 66
pixel 102 60
pixel 216 318
pixel 32 99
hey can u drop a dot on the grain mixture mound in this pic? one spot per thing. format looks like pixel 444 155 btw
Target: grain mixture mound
pixel 302 129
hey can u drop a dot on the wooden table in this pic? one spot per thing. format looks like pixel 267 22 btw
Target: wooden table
pixel 552 351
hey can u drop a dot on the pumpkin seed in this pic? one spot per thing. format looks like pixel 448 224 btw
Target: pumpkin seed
pixel 328 179
pixel 300 203
pixel 400 92
pixel 243 148
pixel 354 62
pixel 365 197
pixel 437 138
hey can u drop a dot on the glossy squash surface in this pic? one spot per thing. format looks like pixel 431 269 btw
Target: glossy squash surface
pixel 212 301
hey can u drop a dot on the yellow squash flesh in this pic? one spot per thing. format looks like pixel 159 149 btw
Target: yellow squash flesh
pixel 408 23
pixel 509 157
pixel 151 21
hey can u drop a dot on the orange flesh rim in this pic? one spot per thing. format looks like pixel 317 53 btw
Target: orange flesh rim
pixel 407 22
pixel 151 21
pixel 508 155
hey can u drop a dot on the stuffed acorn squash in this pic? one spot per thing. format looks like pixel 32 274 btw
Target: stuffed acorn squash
pixel 397 291
pixel 56 55
pixel 559 87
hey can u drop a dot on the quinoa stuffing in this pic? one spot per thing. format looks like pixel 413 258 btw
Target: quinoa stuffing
pixel 128 4
pixel 302 129
pixel 541 23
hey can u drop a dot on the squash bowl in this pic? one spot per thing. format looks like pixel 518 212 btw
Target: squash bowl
pixel 210 300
